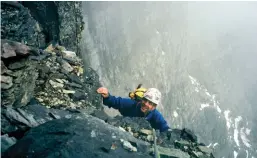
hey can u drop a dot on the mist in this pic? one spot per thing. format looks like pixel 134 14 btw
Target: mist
pixel 201 55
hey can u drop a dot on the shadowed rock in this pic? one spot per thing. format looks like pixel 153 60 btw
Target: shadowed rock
pixel 89 137
pixel 12 49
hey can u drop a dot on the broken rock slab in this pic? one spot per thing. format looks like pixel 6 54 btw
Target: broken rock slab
pixel 6 142
pixel 12 49
pixel 75 139
pixel 171 153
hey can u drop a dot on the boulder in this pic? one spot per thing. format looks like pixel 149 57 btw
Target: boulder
pixel 6 82
pixel 171 153
pixel 88 137
pixel 12 49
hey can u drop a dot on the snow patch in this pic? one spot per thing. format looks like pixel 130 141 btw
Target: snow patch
pixel 175 114
pixel 193 81
pixel 247 131
pixel 204 106
pixel 212 98
pixel 209 145
pixel 246 153
pixel 215 104
pixel 218 109
pixel 244 138
pixel 228 120
pixel 235 154
pixel 215 144
pixel 207 93
pixel 236 133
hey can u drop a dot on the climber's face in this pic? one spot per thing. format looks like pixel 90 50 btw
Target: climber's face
pixel 147 106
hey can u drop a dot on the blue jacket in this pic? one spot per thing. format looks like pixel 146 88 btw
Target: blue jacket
pixel 132 108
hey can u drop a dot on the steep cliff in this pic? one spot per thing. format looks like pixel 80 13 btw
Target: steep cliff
pixel 49 104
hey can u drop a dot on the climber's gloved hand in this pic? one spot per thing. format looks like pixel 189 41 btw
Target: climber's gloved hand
pixel 161 136
pixel 168 133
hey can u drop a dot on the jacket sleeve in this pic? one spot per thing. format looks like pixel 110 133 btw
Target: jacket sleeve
pixel 118 102
pixel 161 122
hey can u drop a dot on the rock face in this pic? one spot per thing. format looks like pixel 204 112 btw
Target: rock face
pixel 53 77
pixel 34 85
pixel 46 15
pixel 71 24
pixel 18 77
pixel 81 135
pixel 88 137
pixel 17 24
pixel 175 143
pixel 6 142
pixel 38 23
pixel 61 21
pixel 49 104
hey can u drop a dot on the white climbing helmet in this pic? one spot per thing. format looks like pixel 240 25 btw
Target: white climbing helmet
pixel 153 95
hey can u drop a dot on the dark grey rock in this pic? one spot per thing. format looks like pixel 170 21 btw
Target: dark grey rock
pixel 71 24
pixel 66 66
pixel 91 77
pixel 16 65
pixel 26 89
pixel 188 135
pixel 205 149
pixel 75 138
pixel 4 69
pixel 171 153
pixel 6 82
pixel 6 142
pixel 38 58
pixel 43 71
pixel 13 4
pixel 101 114
pixel 6 125
pixel 70 60
pixel 74 78
pixel 54 116
pixel 136 123
pixel 19 117
pixel 17 24
pixel 29 116
pixel 71 84
pixel 23 87
pixel 78 95
pixel 182 144
pixel 13 48
pixel 45 13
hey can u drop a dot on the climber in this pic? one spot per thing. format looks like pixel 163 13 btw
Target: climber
pixel 146 107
